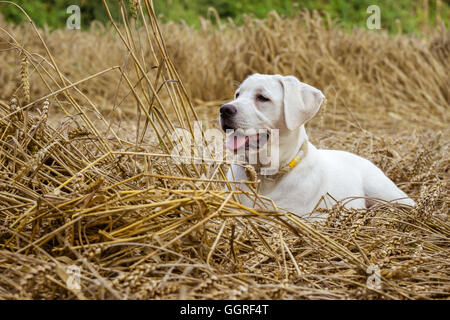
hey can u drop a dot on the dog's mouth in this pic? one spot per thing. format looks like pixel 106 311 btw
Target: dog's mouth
pixel 238 141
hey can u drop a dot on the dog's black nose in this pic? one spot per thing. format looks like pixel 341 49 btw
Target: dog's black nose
pixel 227 110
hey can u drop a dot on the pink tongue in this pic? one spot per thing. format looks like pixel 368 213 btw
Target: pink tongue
pixel 235 142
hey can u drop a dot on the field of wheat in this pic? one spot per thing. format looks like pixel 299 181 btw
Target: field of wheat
pixel 87 182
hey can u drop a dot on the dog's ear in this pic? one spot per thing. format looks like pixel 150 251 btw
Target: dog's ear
pixel 301 101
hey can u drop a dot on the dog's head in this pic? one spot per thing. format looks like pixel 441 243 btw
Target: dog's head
pixel 267 102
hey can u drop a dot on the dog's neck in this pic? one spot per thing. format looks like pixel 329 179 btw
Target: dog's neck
pixel 290 142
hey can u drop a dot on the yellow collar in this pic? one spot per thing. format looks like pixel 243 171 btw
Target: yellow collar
pixel 301 154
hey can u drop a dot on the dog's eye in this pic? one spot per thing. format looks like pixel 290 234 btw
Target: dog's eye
pixel 261 98
pixel 237 95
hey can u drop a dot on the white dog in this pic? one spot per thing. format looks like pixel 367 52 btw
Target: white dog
pixel 307 177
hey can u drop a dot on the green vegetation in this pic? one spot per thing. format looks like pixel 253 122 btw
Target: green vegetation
pixel 411 14
pixel 414 16
pixel 53 13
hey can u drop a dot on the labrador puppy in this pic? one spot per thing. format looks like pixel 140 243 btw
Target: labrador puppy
pixel 306 177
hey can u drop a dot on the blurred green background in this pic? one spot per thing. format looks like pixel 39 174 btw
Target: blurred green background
pixel 415 16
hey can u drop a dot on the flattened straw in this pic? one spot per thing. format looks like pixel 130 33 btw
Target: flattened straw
pixel 200 223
